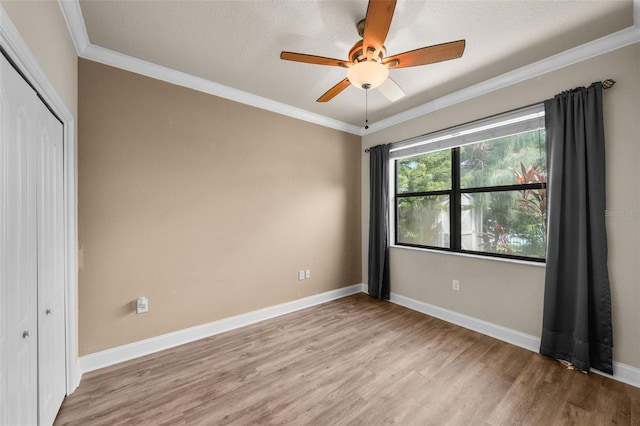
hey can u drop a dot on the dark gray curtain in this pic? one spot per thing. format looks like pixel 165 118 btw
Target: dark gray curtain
pixel 577 301
pixel 379 222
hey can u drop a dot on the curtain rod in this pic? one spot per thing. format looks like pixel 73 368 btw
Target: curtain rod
pixel 606 84
pixel 369 149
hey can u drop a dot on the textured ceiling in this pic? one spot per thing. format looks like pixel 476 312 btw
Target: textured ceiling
pixel 238 43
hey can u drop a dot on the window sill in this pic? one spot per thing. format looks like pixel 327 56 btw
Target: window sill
pixel 473 256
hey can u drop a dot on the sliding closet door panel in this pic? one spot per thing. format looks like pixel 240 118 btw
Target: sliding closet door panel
pixel 50 211
pixel 4 258
pixel 18 276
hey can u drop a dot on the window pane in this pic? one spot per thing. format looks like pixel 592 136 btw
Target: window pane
pixel 423 173
pixel 424 220
pixel 506 222
pixel 506 161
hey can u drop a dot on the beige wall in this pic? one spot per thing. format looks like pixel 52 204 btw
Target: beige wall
pixel 206 206
pixel 510 294
pixel 43 27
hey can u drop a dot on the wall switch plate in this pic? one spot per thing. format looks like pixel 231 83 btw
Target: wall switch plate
pixel 456 285
pixel 307 273
pixel 300 275
pixel 142 305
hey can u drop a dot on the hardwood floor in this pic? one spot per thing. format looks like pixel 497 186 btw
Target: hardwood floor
pixel 351 361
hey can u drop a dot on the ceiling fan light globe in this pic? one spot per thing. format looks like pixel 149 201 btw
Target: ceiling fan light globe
pixel 367 74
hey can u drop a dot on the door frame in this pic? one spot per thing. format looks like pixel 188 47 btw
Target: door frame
pixel 15 47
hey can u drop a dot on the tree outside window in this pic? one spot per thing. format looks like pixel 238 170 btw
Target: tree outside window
pixel 487 197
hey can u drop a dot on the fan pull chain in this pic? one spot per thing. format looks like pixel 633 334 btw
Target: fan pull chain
pixel 366 109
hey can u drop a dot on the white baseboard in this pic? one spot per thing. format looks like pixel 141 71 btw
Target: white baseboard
pixel 499 332
pixel 155 344
pixel 622 372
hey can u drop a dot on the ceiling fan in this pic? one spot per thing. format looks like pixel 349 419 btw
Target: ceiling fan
pixel 367 66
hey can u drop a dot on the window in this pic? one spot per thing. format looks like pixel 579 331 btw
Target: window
pixel 479 188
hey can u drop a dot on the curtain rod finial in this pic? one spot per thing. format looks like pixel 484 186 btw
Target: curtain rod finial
pixel 608 83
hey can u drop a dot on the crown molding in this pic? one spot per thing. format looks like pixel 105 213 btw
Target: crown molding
pixel 586 51
pixel 75 22
pixel 581 53
pixel 159 72
pixel 73 16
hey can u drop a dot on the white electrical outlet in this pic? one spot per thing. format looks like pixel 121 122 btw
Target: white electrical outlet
pixel 456 285
pixel 300 275
pixel 142 306
pixel 307 273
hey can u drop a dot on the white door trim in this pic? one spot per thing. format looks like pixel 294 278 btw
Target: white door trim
pixel 18 51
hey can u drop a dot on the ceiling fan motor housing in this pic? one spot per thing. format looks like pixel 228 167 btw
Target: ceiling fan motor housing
pixel 357 53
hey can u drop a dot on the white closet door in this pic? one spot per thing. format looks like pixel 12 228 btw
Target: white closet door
pixel 18 267
pixel 50 214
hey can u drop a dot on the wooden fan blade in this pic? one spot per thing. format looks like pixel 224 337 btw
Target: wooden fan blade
pixel 311 59
pixel 331 93
pixel 377 23
pixel 391 90
pixel 426 55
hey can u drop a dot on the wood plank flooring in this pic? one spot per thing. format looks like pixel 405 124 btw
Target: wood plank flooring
pixel 353 361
